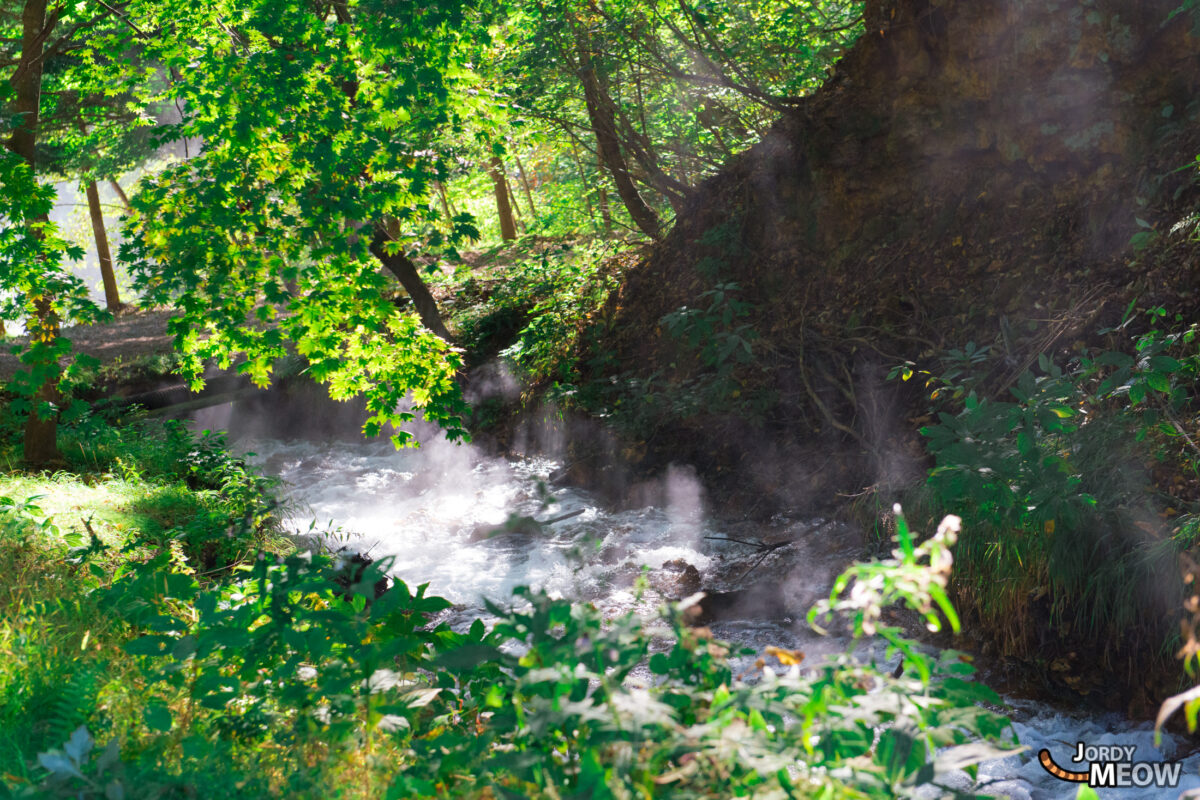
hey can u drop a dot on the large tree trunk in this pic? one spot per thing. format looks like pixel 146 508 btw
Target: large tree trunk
pixel 508 226
pixel 602 115
pixel 112 298
pixel 406 272
pixel 41 432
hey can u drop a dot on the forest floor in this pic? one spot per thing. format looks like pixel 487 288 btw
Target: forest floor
pixel 127 338
pixel 139 334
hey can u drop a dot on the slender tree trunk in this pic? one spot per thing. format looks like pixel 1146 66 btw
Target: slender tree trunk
pixel 604 125
pixel 449 200
pixel 508 228
pixel 583 182
pixel 525 184
pixel 40 433
pixel 514 205
pixel 441 190
pixel 121 194
pixel 602 201
pixel 111 298
pixel 406 272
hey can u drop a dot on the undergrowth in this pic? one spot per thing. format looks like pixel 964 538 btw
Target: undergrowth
pixel 717 361
pixel 130 666
pixel 1077 485
pixel 534 318
pixel 129 492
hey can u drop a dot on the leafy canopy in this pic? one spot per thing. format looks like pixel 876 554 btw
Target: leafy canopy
pixel 318 128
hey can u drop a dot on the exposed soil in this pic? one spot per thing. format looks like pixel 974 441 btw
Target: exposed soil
pixel 972 172
pixel 128 337
pixel 957 180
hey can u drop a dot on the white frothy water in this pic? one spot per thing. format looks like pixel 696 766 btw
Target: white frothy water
pixel 1021 776
pixel 440 512
pixel 436 510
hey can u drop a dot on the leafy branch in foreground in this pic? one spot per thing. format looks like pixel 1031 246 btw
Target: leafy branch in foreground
pixel 903 578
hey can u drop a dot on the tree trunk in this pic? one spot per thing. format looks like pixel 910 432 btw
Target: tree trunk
pixel 406 272
pixel 583 182
pixel 641 150
pixel 111 298
pixel 514 205
pixel 441 190
pixel 602 114
pixel 602 201
pixel 121 194
pixel 40 433
pixel 508 227
pixel 525 184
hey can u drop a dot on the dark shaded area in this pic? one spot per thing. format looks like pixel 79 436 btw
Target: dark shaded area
pixel 970 167
pixel 973 171
pixel 120 343
pixel 355 576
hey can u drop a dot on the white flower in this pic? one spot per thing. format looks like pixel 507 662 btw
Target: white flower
pixel 383 679
pixel 392 722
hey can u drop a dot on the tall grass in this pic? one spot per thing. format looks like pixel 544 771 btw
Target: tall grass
pixel 134 490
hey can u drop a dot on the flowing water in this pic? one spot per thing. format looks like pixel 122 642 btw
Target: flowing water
pixel 441 511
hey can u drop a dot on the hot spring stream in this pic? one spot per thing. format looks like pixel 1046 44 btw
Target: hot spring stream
pixel 433 509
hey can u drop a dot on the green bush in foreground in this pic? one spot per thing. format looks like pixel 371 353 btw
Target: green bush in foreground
pixel 291 677
pixel 134 491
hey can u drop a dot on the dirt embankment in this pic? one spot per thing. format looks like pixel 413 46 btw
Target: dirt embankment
pixel 974 171
pixel 127 338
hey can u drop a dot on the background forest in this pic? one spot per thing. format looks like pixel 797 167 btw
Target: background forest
pixel 837 257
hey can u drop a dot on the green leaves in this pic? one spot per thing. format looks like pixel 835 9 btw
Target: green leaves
pixel 33 271
pixel 298 652
pixel 916 576
pixel 157 717
pixel 262 238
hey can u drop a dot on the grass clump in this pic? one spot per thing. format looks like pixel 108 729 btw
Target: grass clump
pixel 1071 555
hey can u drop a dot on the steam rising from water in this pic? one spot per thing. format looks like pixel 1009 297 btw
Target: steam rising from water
pixel 440 511
pixel 431 508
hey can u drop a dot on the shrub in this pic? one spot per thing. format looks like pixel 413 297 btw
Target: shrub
pixel 1052 488
pixel 283 681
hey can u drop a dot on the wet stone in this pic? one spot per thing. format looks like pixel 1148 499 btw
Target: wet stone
pixel 676 579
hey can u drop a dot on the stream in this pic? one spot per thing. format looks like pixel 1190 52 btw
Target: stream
pixel 441 511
